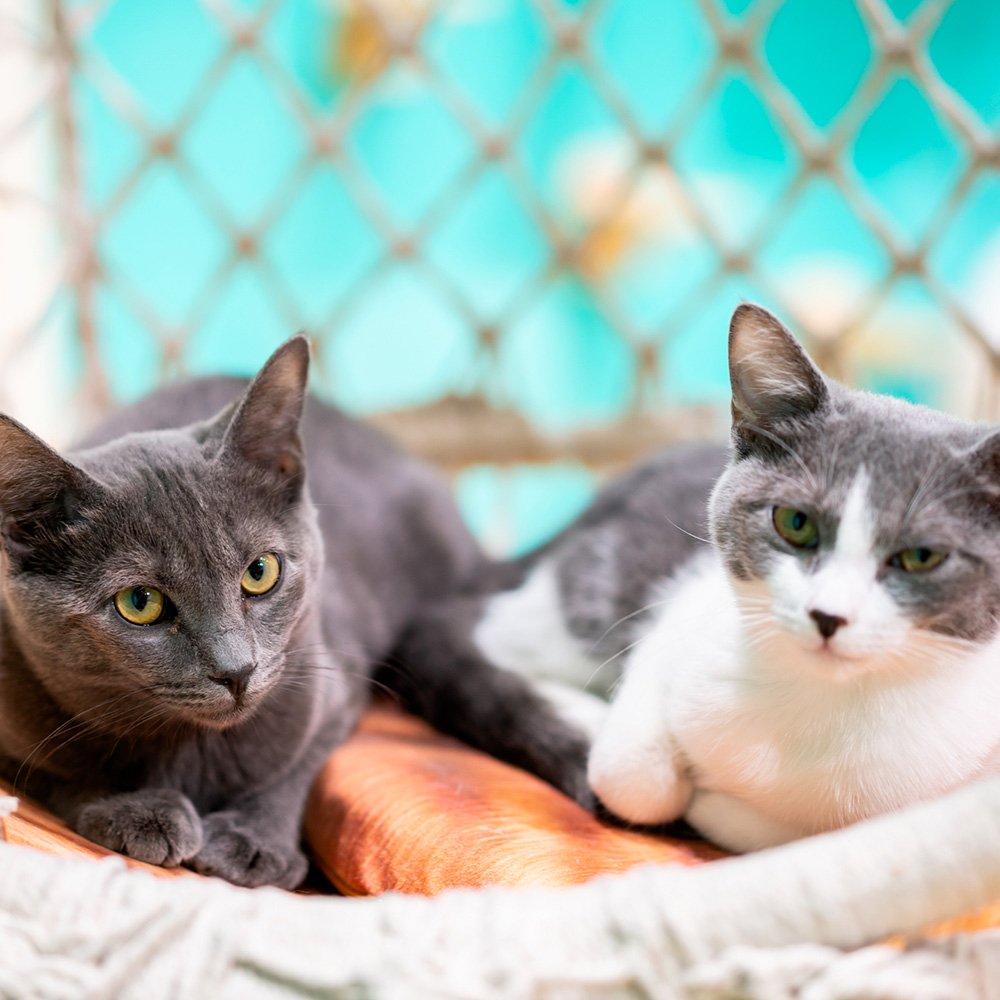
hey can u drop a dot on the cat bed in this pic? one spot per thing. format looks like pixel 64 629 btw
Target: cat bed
pixel 400 807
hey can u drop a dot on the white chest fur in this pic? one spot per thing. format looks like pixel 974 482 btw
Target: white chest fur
pixel 757 747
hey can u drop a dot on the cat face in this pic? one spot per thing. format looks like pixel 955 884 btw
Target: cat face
pixel 160 577
pixel 860 532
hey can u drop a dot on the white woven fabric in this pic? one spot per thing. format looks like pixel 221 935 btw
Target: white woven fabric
pixel 766 926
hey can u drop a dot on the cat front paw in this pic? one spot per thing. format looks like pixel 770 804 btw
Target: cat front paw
pixel 235 851
pixel 638 785
pixel 156 825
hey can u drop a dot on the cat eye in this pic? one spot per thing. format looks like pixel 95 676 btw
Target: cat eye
pixel 141 605
pixel 261 575
pixel 917 560
pixel 796 527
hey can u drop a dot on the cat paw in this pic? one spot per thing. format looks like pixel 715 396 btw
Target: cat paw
pixel 638 786
pixel 155 825
pixel 233 850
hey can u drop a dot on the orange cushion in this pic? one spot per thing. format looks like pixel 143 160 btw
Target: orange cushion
pixel 401 807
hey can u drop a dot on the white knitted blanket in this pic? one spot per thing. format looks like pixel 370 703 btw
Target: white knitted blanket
pixel 778 924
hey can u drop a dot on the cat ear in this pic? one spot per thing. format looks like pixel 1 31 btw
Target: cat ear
pixel 264 429
pixel 984 457
pixel 39 490
pixel 771 375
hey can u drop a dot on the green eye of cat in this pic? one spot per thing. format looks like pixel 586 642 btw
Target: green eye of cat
pixel 918 560
pixel 796 527
pixel 140 605
pixel 261 575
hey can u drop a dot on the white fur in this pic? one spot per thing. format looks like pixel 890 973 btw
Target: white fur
pixel 523 631
pixel 845 586
pixel 736 713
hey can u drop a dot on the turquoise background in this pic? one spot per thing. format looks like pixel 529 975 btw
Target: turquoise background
pixel 171 297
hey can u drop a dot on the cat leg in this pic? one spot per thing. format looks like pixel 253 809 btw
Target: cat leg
pixel 256 839
pixel 642 781
pixel 245 846
pixel 635 767
pixel 736 825
pixel 441 675
pixel 157 825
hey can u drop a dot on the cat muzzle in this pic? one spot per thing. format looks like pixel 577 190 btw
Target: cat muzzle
pixel 235 681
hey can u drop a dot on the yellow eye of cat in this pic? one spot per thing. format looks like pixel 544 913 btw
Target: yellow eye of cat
pixel 918 560
pixel 261 575
pixel 140 605
pixel 796 527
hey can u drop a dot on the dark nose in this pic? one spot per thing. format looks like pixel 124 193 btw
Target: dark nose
pixel 827 624
pixel 235 681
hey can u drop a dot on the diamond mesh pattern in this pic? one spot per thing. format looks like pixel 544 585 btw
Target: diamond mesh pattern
pixel 590 191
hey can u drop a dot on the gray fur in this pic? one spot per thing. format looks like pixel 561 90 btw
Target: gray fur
pixel 133 733
pixel 934 480
pixel 798 440
pixel 638 530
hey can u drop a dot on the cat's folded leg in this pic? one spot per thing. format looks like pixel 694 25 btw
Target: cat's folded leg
pixel 639 781
pixel 156 825
pixel 635 767
pixel 247 851
pixel 442 676
pixel 256 839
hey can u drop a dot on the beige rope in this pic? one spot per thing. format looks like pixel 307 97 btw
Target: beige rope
pixel 767 925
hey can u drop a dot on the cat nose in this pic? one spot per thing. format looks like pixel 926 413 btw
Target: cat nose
pixel 827 624
pixel 235 680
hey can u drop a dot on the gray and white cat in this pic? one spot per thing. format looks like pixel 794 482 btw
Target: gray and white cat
pixel 189 620
pixel 833 654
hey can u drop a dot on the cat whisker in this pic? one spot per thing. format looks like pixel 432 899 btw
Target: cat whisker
pixel 792 453
pixel 745 598
pixel 924 490
pixel 759 633
pixel 949 650
pixel 141 720
pixel 74 727
pixel 755 626
pixel 610 660
pixel 625 618
pixel 751 617
pixel 756 617
pixel 164 722
pixel 309 645
pixel 830 465
pixel 684 531
pixel 754 604
pixel 305 671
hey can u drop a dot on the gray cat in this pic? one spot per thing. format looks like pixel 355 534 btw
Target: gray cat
pixel 189 619
pixel 832 655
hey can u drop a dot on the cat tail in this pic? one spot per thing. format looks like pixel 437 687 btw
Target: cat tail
pixel 440 675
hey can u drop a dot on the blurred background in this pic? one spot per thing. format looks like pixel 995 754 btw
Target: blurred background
pixel 514 229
